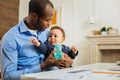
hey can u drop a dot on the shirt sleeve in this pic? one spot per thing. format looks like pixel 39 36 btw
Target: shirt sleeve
pixel 68 51
pixel 9 55
pixel 42 48
pixel 45 48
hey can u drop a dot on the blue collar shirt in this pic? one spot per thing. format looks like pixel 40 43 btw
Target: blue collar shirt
pixel 19 56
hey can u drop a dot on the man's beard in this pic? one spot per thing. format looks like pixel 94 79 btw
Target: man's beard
pixel 41 28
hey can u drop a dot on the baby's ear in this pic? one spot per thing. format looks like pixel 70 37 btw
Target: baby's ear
pixel 63 39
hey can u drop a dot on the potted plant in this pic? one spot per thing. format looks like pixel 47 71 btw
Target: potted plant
pixel 111 30
pixel 103 30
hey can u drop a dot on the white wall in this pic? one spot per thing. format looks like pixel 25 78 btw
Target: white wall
pixel 75 15
pixel 74 19
pixel 23 9
pixel 109 12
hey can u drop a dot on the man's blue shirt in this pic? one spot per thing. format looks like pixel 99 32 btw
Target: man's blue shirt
pixel 19 56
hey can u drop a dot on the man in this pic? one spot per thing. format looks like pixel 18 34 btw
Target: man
pixel 19 56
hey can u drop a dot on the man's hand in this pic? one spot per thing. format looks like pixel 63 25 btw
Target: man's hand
pixel 65 62
pixel 50 61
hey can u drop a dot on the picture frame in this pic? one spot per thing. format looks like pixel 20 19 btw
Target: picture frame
pixel 56 20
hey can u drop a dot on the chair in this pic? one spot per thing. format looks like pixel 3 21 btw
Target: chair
pixel 0 64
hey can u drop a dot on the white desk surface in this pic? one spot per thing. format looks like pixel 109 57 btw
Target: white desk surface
pixel 84 72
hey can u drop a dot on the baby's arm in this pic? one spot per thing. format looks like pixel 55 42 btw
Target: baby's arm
pixel 72 52
pixel 35 42
pixel 43 48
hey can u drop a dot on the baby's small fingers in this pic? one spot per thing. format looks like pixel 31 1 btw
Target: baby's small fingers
pixel 73 47
pixel 32 40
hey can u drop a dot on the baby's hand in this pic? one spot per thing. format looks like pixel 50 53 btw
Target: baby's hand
pixel 35 41
pixel 74 49
pixel 32 40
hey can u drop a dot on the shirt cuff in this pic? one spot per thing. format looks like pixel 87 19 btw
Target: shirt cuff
pixel 34 69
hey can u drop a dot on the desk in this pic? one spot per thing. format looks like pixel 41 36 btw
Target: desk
pixel 77 73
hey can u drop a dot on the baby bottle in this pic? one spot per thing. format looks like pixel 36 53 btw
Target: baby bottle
pixel 58 51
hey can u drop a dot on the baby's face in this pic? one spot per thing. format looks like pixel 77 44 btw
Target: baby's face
pixel 56 36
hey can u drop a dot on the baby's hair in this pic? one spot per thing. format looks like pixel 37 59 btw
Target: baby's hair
pixel 59 28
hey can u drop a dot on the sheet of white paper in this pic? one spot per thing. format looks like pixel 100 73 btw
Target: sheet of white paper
pixel 63 75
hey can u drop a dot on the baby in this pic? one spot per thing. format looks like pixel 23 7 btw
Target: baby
pixel 57 36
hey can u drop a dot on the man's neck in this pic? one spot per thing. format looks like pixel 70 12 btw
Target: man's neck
pixel 27 22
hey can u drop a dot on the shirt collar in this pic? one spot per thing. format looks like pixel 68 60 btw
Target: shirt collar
pixel 23 27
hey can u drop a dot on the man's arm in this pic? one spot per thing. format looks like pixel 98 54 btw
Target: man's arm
pixel 10 62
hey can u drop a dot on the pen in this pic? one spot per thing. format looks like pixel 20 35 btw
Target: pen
pixel 106 72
